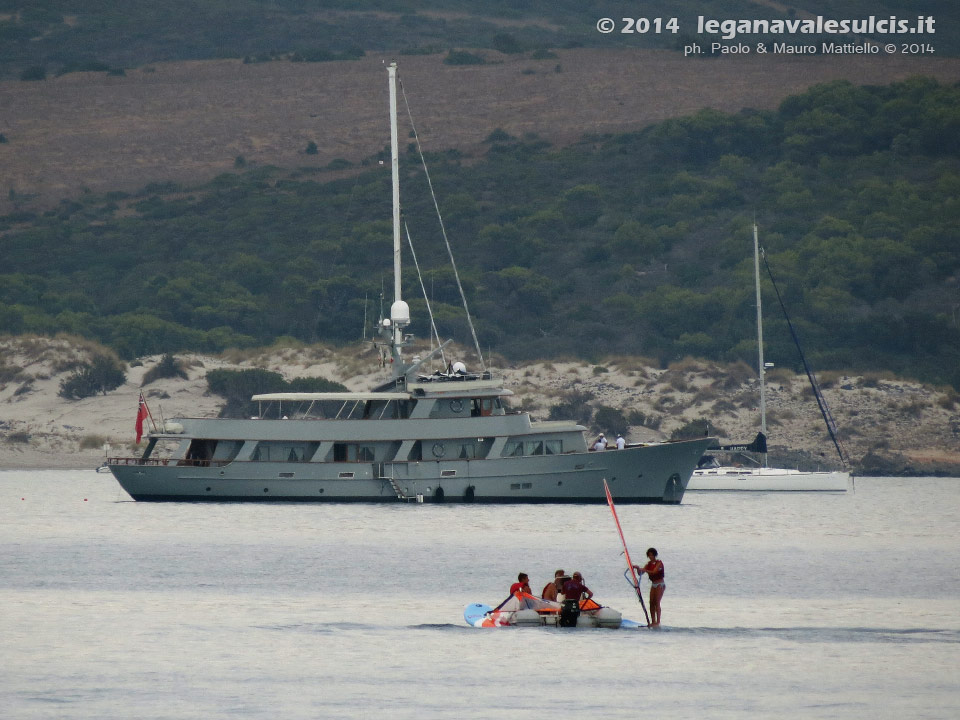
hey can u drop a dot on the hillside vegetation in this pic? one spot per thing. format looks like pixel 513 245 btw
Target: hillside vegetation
pixel 58 36
pixel 637 244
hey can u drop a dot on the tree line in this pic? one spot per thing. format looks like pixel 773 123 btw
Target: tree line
pixel 636 243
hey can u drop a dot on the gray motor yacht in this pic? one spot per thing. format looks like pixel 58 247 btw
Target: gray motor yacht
pixel 445 436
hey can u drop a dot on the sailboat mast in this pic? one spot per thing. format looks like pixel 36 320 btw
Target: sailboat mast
pixel 760 366
pixel 395 172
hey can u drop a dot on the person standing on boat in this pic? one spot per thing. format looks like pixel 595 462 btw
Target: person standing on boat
pixel 574 589
pixel 621 443
pixel 600 443
pixel 553 588
pixel 654 570
pixel 522 584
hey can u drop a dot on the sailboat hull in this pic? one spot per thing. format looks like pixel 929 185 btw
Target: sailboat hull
pixel 767 480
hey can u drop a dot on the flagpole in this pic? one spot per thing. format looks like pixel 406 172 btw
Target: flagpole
pixel 149 414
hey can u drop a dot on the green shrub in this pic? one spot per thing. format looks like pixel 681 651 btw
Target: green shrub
pixel 574 406
pixel 462 57
pixel 34 72
pixel 507 44
pixel 694 430
pixel 610 419
pixel 101 375
pixel 543 54
pixel 92 442
pixel 168 367
pixel 10 373
pixel 499 135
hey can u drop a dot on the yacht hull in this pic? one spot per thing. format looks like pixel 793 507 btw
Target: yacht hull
pixel 650 474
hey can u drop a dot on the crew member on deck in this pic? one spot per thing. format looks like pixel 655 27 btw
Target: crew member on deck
pixel 600 443
pixel 522 583
pixel 654 570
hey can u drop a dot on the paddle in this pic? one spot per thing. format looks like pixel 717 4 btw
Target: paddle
pixel 636 581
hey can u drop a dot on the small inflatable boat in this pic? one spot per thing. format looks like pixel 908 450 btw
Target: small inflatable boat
pixel 524 610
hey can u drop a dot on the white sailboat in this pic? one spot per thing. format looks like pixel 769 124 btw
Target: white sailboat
pixel 762 478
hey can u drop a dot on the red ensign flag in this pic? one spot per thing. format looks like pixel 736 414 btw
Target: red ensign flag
pixel 141 416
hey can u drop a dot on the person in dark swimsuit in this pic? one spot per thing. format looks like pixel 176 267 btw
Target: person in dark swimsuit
pixel 654 570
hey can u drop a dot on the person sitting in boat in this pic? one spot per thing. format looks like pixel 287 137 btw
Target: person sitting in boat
pixel 555 586
pixel 574 589
pixel 522 584
pixel 654 570
pixel 600 443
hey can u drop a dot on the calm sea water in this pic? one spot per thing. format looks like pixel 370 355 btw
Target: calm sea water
pixel 788 606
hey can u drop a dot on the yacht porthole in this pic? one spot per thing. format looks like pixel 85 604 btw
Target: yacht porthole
pixel 208 489
pixel 438 450
pixel 266 489
pixel 456 405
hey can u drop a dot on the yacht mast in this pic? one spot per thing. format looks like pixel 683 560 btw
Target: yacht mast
pixel 399 310
pixel 760 365
pixel 395 171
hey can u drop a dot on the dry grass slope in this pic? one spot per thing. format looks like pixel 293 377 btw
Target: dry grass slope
pixel 188 121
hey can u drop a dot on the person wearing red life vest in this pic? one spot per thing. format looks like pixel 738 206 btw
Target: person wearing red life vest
pixel 522 583
pixel 654 570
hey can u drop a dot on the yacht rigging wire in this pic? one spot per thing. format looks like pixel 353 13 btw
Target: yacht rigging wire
pixel 443 230
pixel 821 401
pixel 433 325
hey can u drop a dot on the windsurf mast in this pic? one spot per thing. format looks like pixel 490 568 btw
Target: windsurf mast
pixel 626 552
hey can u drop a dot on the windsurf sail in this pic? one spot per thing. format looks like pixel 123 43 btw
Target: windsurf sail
pixel 522 600
pixel 626 552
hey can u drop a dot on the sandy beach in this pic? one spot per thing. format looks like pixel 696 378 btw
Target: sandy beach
pixel 886 424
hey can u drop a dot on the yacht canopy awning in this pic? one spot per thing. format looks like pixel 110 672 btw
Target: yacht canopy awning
pixel 342 397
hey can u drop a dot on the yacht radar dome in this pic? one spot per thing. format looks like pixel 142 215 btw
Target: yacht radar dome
pixel 400 313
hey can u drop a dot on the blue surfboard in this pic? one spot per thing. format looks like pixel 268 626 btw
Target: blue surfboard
pixel 475 612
